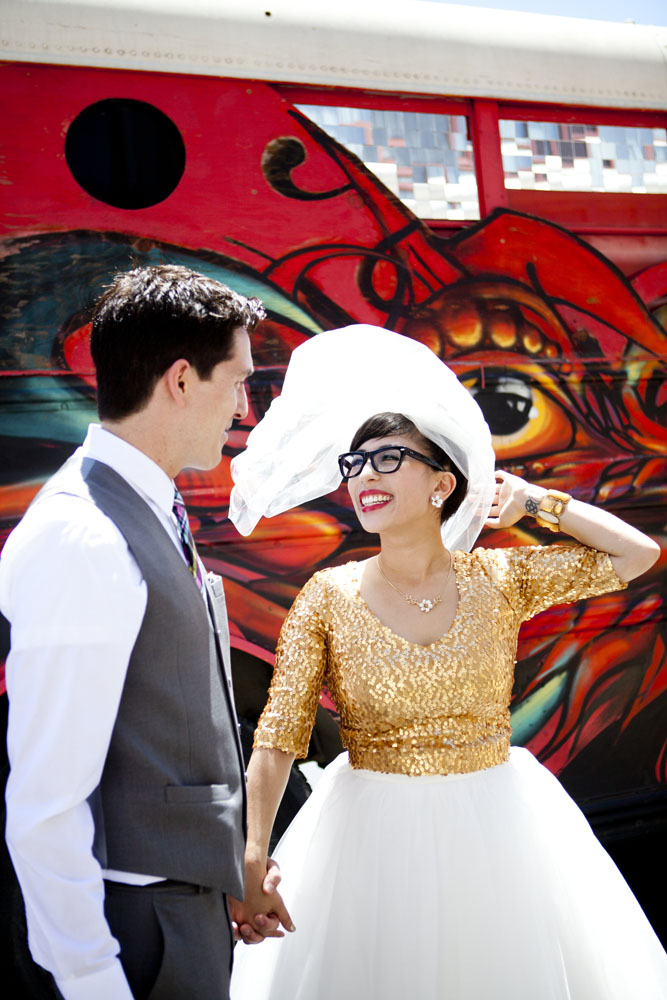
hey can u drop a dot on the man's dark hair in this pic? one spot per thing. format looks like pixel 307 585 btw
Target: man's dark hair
pixel 386 424
pixel 150 317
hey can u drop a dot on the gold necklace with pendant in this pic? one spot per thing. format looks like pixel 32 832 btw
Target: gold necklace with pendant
pixel 427 603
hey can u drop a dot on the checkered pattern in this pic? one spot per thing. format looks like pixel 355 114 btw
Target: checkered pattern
pixel 187 541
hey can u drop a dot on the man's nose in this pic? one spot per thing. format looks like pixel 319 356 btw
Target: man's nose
pixel 241 403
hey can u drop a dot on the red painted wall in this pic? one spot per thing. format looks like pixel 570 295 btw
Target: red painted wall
pixel 522 309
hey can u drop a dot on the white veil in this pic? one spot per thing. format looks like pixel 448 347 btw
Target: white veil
pixel 334 382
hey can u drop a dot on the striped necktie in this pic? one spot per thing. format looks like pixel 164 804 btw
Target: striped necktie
pixel 187 541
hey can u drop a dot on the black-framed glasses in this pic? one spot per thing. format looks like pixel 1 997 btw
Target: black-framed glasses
pixel 383 460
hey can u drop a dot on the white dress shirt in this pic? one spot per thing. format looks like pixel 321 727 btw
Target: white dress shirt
pixel 75 599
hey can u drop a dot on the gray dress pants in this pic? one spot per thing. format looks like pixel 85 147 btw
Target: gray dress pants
pixel 175 939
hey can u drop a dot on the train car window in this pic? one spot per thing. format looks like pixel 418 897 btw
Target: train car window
pixel 547 156
pixel 425 159
pixel 126 153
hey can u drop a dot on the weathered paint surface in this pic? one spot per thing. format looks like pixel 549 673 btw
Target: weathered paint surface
pixel 565 354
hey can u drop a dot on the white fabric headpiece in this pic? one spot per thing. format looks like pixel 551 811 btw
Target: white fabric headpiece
pixel 334 382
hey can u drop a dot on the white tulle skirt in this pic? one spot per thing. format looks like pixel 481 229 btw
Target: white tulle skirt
pixel 460 887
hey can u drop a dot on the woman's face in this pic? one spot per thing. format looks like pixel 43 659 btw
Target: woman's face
pixel 385 501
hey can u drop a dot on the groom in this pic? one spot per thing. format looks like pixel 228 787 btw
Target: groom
pixel 126 796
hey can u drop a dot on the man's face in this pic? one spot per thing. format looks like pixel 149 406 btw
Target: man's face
pixel 216 402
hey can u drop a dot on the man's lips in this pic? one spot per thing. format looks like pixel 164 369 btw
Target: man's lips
pixel 373 499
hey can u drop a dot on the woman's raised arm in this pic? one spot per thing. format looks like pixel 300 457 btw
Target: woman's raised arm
pixel 630 550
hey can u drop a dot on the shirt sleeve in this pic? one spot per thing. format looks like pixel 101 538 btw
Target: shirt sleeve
pixel 536 577
pixel 75 600
pixel 287 721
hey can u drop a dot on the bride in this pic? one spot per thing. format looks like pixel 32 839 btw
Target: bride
pixel 431 861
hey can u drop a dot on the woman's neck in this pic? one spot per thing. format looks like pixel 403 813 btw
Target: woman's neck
pixel 413 556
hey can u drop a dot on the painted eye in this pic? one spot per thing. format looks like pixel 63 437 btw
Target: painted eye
pixel 523 417
pixel 507 405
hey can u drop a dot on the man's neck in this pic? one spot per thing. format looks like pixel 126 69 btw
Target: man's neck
pixel 147 436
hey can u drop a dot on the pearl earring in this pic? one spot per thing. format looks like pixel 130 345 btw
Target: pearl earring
pixel 436 501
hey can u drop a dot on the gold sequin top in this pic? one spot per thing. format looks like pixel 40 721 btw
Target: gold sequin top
pixel 412 709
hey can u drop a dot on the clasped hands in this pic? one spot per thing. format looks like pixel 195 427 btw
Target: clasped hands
pixel 262 912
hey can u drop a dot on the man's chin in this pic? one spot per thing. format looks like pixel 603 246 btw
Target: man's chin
pixel 205 465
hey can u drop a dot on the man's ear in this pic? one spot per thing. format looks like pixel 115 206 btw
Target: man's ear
pixel 177 379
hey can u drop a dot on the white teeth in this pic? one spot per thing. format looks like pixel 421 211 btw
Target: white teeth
pixel 370 499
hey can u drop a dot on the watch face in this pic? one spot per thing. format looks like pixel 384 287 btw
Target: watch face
pixel 532 506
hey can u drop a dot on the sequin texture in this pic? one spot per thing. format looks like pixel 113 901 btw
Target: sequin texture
pixel 412 709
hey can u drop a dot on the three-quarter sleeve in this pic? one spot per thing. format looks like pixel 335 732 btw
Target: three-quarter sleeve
pixel 288 718
pixel 535 577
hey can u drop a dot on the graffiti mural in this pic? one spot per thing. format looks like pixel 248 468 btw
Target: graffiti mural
pixel 565 355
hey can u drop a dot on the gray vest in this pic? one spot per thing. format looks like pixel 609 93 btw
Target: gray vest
pixel 171 801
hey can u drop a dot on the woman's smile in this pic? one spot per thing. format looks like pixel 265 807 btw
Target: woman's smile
pixel 373 500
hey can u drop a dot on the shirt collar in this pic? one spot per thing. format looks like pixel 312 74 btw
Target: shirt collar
pixel 140 471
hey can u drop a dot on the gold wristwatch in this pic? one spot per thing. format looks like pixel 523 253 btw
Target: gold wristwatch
pixel 548 511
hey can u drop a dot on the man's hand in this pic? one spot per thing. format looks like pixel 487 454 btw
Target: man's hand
pixel 262 912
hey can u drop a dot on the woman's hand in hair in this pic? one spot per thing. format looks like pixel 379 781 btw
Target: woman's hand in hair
pixel 509 500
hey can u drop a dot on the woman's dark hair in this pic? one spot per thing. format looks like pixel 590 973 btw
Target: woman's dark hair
pixel 385 424
pixel 152 316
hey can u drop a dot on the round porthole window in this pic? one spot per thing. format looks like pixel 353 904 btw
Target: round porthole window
pixel 126 153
